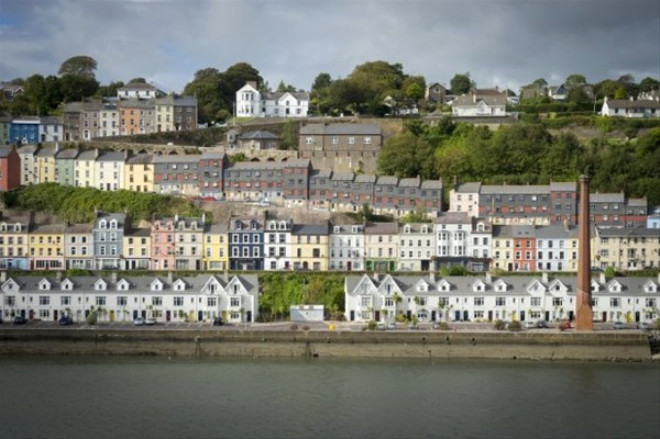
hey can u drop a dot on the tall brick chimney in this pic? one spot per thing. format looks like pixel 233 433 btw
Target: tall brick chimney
pixel 584 318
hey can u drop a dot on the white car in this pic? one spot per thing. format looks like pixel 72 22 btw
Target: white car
pixel 138 321
pixel 149 321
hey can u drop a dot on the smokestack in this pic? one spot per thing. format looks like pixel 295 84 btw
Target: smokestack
pixel 584 318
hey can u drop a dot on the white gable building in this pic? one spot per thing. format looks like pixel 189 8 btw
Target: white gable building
pixel 250 102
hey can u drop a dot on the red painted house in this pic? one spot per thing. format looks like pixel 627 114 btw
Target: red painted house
pixel 10 168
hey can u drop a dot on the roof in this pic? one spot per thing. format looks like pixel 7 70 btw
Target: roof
pixel 46 152
pixel 453 218
pixel 48 228
pixel 607 198
pixel 626 103
pixel 321 173
pixel 472 187
pixel 260 134
pixel 432 184
pixel 137 86
pixel 409 182
pixel 274 96
pixel 631 232
pixel 386 179
pixel 343 176
pixel 112 156
pixel 471 100
pixel 381 229
pixel 177 101
pixel 566 186
pixel 140 159
pixel 193 158
pixel 5 151
pixel 365 178
pixel 340 129
pixel 70 153
pixel 142 231
pixel 310 229
pixel 517 189
pixel 90 154
pixel 78 228
pixel 556 232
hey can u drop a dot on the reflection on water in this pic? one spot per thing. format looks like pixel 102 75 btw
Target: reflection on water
pixel 160 398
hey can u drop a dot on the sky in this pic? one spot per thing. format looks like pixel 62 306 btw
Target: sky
pixel 504 43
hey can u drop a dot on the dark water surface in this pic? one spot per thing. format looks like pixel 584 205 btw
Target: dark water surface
pixel 83 397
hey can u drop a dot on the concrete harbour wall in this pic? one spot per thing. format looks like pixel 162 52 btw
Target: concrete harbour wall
pixel 328 344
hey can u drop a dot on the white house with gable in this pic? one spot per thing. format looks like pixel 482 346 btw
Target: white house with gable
pixel 250 102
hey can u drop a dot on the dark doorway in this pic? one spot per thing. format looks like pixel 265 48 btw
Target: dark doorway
pixel 248 316
pixel 352 316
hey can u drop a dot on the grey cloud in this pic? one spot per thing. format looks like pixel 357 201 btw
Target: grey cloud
pixel 501 42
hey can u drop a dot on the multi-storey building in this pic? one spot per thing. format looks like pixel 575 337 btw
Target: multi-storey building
pixel 51 129
pixel 193 298
pixel 189 241
pixel 556 248
pixel 138 173
pixel 176 175
pixel 10 168
pixel 139 90
pixel 614 210
pixel 109 170
pixel 216 247
pixel 452 234
pixel 277 242
pixel 24 130
pixel 246 243
pixel 489 298
pixel 108 240
pixel 502 250
pixel 347 247
pixel 176 113
pixel 479 245
pixel 137 249
pixel 109 125
pixel 381 246
pixel 65 167
pixel 210 175
pixel 267 181
pixel 250 102
pixel 416 247
pixel 44 164
pixel 46 245
pixel 136 117
pixel 85 168
pixel 309 246
pixel 14 243
pixel 340 140
pixel 162 243
pixel 28 171
pixel 524 248
pixel 634 248
pixel 79 246
pixel 5 128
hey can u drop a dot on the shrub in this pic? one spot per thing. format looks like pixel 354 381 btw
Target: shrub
pixel 564 325
pixel 515 326
pixel 656 324
pixel 92 318
pixel 443 326
pixel 499 325
pixel 293 327
pixel 371 325
pixel 305 328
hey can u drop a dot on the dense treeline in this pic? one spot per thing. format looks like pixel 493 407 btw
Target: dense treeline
pixel 77 205
pixel 281 290
pixel 524 154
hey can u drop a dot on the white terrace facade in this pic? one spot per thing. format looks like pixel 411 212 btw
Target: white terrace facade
pixel 484 299
pixel 347 247
pixel 277 242
pixel 116 298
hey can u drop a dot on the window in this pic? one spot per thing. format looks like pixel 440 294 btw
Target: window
pixel 44 300
pixel 235 302
pixel 100 300
pixel 557 301
pixel 478 301
pixel 500 301
pixel 156 301
pixel 536 301
pixel 178 301
pixel 122 300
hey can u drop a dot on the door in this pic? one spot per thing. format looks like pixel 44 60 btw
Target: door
pixel 55 315
pixel 466 316
pixel 199 316
pixel 490 316
pixel 349 265
pixel 352 316
pixel 522 316
pixel 457 316
pixel 377 316
pixel 31 315
pixel 571 316
pixel 433 316
pixel 547 316
pixel 604 316
pixel 112 315
pixel 248 316
pixel 637 317
pixel 168 315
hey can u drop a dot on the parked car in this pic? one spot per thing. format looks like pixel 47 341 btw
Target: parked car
pixel 645 326
pixel 413 326
pixel 542 324
pixel 566 324
pixel 218 321
pixel 138 321
pixel 381 326
pixel 150 321
pixel 19 320
pixel 391 325
pixel 65 321
pixel 618 325
pixel 530 324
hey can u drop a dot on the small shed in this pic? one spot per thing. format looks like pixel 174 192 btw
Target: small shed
pixel 306 313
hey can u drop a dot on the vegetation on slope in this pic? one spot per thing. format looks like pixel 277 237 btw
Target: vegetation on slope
pixel 78 205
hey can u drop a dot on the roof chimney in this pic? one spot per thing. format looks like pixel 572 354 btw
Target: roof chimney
pixel 544 277
pixel 603 278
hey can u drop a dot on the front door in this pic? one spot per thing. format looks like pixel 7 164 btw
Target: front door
pixel 248 316
pixel 547 316
pixel 457 316
pixel 377 316
pixel 637 316
pixel 571 316
pixel 352 316
pixel 604 316
pixel 168 316
pixel 466 316
pixel 522 316
pixel 199 316
pixel 433 315
pixel 490 316
pixel 55 315
pixel 112 315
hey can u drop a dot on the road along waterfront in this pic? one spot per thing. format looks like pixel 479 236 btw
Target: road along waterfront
pixel 157 397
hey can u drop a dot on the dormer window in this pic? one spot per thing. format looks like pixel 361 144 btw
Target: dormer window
pixel 179 285
pixel 44 285
pixel 100 285
pixel 17 227
pixel 156 285
pixel 271 226
pixel 113 224
pixel 283 225
pixel 103 224
pixel 3 227
pixel 237 225
pixel 406 229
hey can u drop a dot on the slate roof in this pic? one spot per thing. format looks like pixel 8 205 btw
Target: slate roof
pixel 310 229
pixel 340 129
pixel 78 228
pixel 607 198
pixel 140 159
pixel 258 135
pixel 381 229
pixel 5 151
pixel 453 218
pixel 365 178
pixel 514 189
pixel 556 232
pixel 387 180
pixel 343 176
pixel 471 187
pixel 112 156
pixel 70 153
pixel 90 154
pixel 409 182
pixel 626 103
pixel 431 184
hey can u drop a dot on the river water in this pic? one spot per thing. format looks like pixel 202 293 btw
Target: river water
pixel 88 397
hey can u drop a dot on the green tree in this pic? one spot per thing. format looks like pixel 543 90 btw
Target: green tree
pixel 406 155
pixel 110 90
pixel 77 87
pixel 282 87
pixel 321 82
pixel 575 80
pixel 540 83
pixel 206 87
pixel 79 66
pixel 606 88
pixel 461 83
pixel 414 87
pixel 620 93
pixel 647 84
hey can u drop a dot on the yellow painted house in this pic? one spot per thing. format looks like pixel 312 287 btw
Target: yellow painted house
pixel 502 250
pixel 46 247
pixel 309 246
pixel 139 173
pixel 44 165
pixel 216 248
pixel 137 249
pixel 14 243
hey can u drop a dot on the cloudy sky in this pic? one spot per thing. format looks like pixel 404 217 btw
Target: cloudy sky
pixel 506 43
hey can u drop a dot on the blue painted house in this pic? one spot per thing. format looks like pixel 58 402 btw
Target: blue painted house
pixel 246 243
pixel 24 130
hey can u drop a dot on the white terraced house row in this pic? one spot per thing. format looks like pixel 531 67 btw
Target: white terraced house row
pixel 483 299
pixel 117 298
